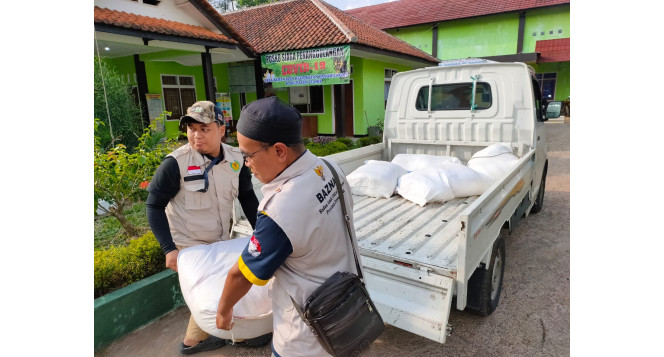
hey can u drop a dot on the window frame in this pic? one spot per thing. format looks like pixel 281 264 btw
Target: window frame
pixel 453 86
pixel 308 99
pixel 177 86
pixel 388 80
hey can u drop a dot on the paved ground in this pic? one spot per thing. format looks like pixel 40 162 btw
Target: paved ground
pixel 533 318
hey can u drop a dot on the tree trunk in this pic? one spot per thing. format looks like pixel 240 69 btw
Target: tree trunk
pixel 131 230
pixel 118 213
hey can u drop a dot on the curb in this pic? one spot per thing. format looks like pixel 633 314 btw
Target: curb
pixel 135 306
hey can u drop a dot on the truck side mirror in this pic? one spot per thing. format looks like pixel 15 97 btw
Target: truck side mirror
pixel 553 109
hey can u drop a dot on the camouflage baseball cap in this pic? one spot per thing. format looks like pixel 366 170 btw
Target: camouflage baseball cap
pixel 203 112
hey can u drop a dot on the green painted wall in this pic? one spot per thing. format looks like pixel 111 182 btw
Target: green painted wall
pixel 496 35
pixel 478 37
pixel 369 84
pixel 325 120
pixel 360 82
pixel 124 65
pixel 550 21
pixel 418 36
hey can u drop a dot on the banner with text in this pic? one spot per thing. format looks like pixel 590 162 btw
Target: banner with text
pixel 310 67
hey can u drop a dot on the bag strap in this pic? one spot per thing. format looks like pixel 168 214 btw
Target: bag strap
pixel 337 182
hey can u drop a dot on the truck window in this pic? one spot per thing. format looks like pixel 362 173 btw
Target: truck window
pixel 456 96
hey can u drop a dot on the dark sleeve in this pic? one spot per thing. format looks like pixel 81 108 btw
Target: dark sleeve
pixel 164 185
pixel 267 250
pixel 247 197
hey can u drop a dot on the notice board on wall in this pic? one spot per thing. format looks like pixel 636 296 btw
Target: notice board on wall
pixel 155 108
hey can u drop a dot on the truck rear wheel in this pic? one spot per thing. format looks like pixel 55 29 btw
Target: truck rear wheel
pixel 485 285
pixel 539 200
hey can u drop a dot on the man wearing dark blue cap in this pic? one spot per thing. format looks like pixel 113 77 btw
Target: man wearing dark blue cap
pixel 191 195
pixel 300 238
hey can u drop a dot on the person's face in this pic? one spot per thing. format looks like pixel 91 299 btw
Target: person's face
pixel 205 138
pixel 263 160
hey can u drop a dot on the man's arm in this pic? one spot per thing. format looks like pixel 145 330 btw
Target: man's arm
pixel 235 288
pixel 247 197
pixel 264 254
pixel 164 185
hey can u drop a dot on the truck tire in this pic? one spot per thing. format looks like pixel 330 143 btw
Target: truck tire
pixel 485 285
pixel 539 200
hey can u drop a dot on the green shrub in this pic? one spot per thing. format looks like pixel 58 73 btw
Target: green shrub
pixel 336 146
pixel 119 266
pixel 369 140
pixel 347 141
pixel 318 149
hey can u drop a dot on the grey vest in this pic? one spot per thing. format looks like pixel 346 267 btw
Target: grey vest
pixel 203 217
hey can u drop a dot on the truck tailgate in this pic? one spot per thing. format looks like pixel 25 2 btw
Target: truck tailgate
pixel 412 300
pixel 396 229
pixel 409 254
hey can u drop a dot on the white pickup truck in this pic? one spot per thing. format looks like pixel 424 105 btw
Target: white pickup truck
pixel 417 259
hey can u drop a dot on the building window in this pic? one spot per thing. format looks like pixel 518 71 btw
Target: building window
pixel 179 94
pixel 389 73
pixel 456 96
pixel 307 100
pixel 547 83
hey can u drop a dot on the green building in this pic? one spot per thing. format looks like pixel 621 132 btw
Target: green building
pixel 329 65
pixel 530 31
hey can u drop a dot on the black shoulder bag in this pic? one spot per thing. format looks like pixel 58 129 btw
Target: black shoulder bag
pixel 340 312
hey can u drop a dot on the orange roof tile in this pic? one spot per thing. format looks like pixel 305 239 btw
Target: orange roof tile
pixel 414 12
pixel 299 24
pixel 155 25
pixel 553 50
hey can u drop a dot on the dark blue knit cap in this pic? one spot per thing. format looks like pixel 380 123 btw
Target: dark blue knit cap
pixel 271 120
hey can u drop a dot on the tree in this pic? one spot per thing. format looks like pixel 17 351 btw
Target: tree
pixel 223 5
pixel 121 176
pixel 114 105
pixel 250 3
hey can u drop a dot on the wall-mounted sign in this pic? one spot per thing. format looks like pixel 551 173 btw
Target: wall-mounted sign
pixel 315 66
pixel 224 103
pixel 155 108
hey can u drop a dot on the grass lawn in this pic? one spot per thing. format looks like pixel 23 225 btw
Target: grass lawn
pixel 108 230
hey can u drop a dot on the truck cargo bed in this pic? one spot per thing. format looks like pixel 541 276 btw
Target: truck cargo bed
pixel 397 229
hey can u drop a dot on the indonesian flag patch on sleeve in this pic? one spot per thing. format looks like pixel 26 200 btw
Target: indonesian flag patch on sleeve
pixel 254 247
pixel 194 170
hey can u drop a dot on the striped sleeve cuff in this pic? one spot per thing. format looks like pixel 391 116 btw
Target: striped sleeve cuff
pixel 249 275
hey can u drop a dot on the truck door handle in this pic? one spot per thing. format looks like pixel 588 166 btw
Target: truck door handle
pixel 538 138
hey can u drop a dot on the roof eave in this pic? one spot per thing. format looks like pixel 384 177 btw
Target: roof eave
pixel 531 57
pixel 150 36
pixel 215 18
pixel 381 51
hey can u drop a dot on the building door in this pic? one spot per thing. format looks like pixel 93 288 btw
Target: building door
pixel 343 109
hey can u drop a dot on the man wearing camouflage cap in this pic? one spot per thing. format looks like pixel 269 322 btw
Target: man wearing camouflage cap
pixel 190 198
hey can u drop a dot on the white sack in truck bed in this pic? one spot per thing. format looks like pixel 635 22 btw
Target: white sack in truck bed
pixel 412 162
pixel 494 161
pixel 375 179
pixel 424 186
pixel 441 184
pixel 202 271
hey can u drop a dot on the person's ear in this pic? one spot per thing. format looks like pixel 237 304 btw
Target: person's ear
pixel 282 151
